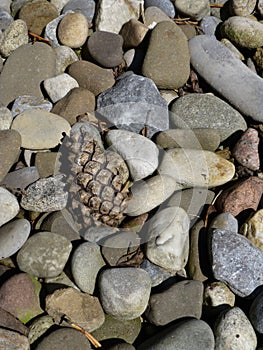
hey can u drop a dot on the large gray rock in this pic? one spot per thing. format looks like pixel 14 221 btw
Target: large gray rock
pixel 226 74
pixel 190 334
pixel 133 103
pixel 236 261
pixel 206 111
pixel 16 77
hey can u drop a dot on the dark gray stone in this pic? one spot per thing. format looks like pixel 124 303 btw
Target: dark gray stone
pixel 133 103
pixel 226 74
pixel 86 7
pixel 255 313
pixel 209 24
pixel 157 274
pixel 182 299
pixel 236 261
pixel 225 221
pixel 165 5
pixel 20 179
pixel 191 334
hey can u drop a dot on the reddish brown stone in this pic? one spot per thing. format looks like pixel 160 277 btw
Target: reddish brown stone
pixel 243 195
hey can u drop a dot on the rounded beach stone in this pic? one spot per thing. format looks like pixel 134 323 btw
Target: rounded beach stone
pixel 37 14
pixel 9 206
pixel 165 5
pixel 140 153
pixel 64 57
pixel 217 293
pixel 64 339
pixel 241 7
pixel 253 229
pixel 243 31
pixel 14 36
pixel 210 170
pixel 85 264
pixel 13 340
pixel 173 54
pixel 133 33
pixel 58 86
pixel 5 18
pixel 255 313
pixel 40 129
pixel 191 334
pixel 44 254
pixel 106 48
pixel 154 15
pixel 168 239
pixel 12 236
pixel 73 30
pixel 10 143
pixel 51 31
pixel 196 11
pixel 19 295
pixel 234 331
pixel 209 24
pixel 124 292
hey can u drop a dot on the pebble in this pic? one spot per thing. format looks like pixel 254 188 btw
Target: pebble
pixel 6 118
pixel 9 206
pixel 242 8
pixel 242 195
pixel 45 163
pixel 15 35
pixel 196 11
pixel 182 299
pixel 19 295
pixel 120 247
pixel 16 78
pixel 236 261
pixel 233 49
pixel 154 15
pixel 58 86
pixel 91 77
pixel 165 5
pixel 51 30
pixel 112 328
pixel 106 48
pixel 23 103
pixel 224 221
pixel 81 308
pixel 243 31
pixel 226 74
pixel 207 139
pixel 118 12
pixel 253 229
pixel 157 274
pixel 9 321
pixel 45 194
pixel 133 103
pixel 209 25
pixel 10 340
pixel 73 30
pixel 189 334
pixel 255 313
pixel 41 249
pixel 85 7
pixel 8 155
pixel 64 57
pixel 140 153
pixel 95 234
pixel 211 169
pixel 51 283
pixel 5 18
pixel 217 293
pixel 246 149
pixel 13 235
pixel 124 293
pixel 34 126
pixel 198 111
pixel 64 339
pixel 133 32
pixel 173 54
pixel 38 327
pixel 59 4
pixel 234 331
pixel 77 101
pixel 168 239
pixel 37 14
pixel 147 195
pixel 86 262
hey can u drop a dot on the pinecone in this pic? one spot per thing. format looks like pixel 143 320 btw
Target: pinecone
pixel 96 180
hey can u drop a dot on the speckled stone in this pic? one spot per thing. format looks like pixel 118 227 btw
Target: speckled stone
pixel 44 254
pixel 253 229
pixel 73 30
pixel 51 30
pixel 246 149
pixel 217 293
pixel 38 327
pixel 157 274
pixel 64 57
pixel 14 36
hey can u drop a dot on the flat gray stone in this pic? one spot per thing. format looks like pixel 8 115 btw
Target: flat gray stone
pixel 20 179
pixel 124 292
pixel 22 103
pixel 9 206
pixel 57 87
pixel 206 111
pixel 6 118
pixel 224 221
pixel 12 237
pixel 140 153
pixel 16 77
pixel 44 254
pixel 165 5
pixel 236 261
pixel 190 334
pixel 85 264
pixel 226 74
pixel 182 299
pixel 132 103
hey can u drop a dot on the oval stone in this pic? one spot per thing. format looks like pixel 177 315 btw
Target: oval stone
pixel 73 30
pixel 9 206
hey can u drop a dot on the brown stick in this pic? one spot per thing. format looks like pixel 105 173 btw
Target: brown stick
pixel 39 38
pixel 219 6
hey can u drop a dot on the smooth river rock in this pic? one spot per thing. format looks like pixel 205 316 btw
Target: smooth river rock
pixel 226 74
pixel 9 206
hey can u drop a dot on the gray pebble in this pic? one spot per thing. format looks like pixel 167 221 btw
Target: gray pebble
pixel 165 5
pixel 157 274
pixel 242 8
pixel 224 221
pixel 255 313
pixel 39 326
pixel 44 254
pixel 9 206
pixel 124 292
pixel 196 11
pixel 209 24
pixel 57 87
pixel 22 103
pixel 5 18
pixel 6 118
pixel 15 35
pixel 86 7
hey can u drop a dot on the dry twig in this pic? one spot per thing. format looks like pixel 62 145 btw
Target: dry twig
pixel 37 37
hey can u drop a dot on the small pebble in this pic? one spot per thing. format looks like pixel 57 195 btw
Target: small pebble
pixel 133 33
pixel 253 229
pixel 242 8
pixel 15 35
pixel 58 86
pixel 217 293
pixel 209 25
pixel 5 18
pixel 45 163
pixel 73 30
pixel 51 30
pixel 10 340
pixel 196 11
pixel 157 274
pixel 22 103
pixel 9 206
pixel 85 7
pixel 38 327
